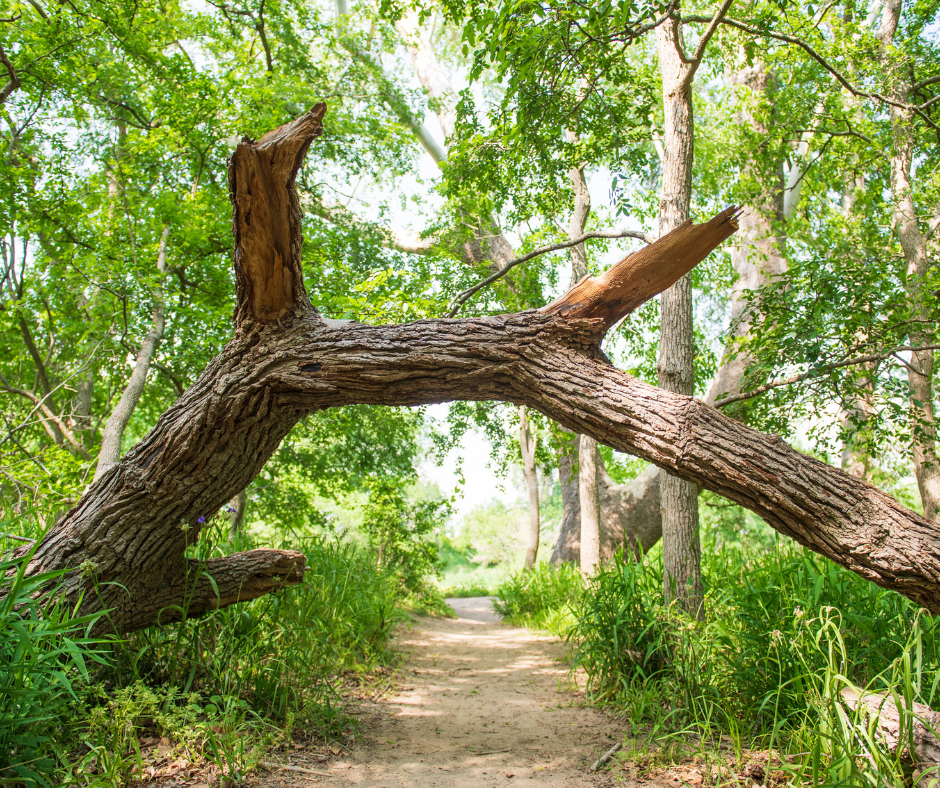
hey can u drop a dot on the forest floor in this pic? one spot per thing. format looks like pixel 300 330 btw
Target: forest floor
pixel 475 703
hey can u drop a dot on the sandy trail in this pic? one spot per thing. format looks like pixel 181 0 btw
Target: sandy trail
pixel 478 704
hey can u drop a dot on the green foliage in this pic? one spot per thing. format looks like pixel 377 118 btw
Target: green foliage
pixel 545 597
pixel 45 656
pixel 401 533
pixel 786 631
pixel 490 533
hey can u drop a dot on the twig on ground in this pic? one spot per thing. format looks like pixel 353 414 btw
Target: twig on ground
pixel 491 752
pixel 300 769
pixel 605 757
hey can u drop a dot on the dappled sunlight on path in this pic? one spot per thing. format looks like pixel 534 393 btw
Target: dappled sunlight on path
pixel 477 704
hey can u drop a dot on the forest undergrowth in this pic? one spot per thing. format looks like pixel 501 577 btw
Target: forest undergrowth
pixel 754 690
pixel 214 694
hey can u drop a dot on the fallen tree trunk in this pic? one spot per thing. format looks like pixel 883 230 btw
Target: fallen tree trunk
pixel 914 731
pixel 125 540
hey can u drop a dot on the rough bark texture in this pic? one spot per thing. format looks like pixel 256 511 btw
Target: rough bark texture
pixel 590 505
pixel 527 444
pixel 125 540
pixel 682 576
pixel 915 735
pixel 113 432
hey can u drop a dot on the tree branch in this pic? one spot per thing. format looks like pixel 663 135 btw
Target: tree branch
pixel 39 401
pixel 267 219
pixel 703 41
pixel 462 298
pixel 641 275
pixel 819 371
pixel 842 80
pixel 14 82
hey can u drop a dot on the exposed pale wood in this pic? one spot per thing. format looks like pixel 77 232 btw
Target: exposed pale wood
pixel 916 735
pixel 645 273
pixel 606 757
pixel 267 220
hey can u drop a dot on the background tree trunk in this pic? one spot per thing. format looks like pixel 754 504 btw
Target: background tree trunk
pixel 239 505
pixel 630 513
pixel 914 244
pixel 588 504
pixel 682 574
pixel 527 444
pixel 113 433
pixel 590 514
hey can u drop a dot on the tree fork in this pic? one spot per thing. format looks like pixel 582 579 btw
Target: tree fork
pixel 125 540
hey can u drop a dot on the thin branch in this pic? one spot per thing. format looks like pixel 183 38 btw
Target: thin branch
pixel 14 82
pixel 932 227
pixel 66 432
pixel 819 371
pixel 17 538
pixel 853 89
pixel 925 82
pixel 461 299
pixel 706 37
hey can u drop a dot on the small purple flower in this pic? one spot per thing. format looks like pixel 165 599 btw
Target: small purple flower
pixel 230 509
pixel 200 519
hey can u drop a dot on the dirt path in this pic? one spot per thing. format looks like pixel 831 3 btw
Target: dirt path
pixel 479 704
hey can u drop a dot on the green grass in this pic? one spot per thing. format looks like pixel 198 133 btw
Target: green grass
pixel 473 581
pixel 221 689
pixel 785 632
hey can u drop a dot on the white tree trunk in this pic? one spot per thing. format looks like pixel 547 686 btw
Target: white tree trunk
pixel 914 244
pixel 113 432
pixel 527 444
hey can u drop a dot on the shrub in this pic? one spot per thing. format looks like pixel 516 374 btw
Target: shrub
pixel 541 598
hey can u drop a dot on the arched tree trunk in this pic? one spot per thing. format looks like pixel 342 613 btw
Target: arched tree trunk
pixel 124 542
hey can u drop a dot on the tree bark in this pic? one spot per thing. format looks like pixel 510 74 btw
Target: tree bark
pixel 567 549
pixel 914 732
pixel 527 443
pixel 914 244
pixel 682 574
pixel 124 542
pixel 113 433
pixel 238 504
pixel 589 505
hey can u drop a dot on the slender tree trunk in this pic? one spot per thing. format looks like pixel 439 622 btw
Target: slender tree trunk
pixel 238 506
pixel 914 244
pixel 682 576
pixel 113 432
pixel 590 506
pixel 859 410
pixel 527 444
pixel 587 446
